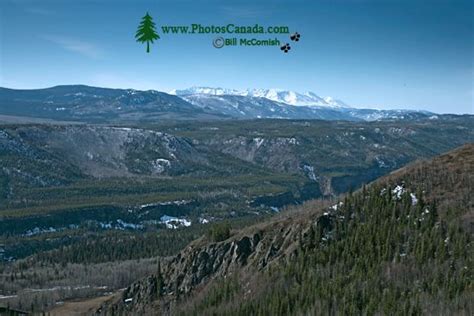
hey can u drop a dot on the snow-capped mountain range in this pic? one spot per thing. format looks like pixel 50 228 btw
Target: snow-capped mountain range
pixel 276 95
pixel 92 104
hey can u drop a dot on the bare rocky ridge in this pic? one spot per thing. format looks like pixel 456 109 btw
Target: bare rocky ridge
pixel 252 250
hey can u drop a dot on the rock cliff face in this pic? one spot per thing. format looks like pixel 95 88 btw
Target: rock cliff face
pixel 251 250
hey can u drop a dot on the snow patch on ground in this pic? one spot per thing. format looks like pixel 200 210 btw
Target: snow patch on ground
pixel 124 224
pixel 174 222
pixel 258 141
pixel 203 220
pixel 160 165
pixel 37 231
pixel 293 141
pixel 398 191
pixel 380 162
pixel 176 202
pixel 310 172
pixel 336 206
pixel 120 225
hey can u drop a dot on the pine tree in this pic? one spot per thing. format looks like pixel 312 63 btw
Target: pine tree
pixel 146 31
pixel 159 280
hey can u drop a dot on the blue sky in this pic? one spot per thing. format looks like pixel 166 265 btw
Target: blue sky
pixel 385 54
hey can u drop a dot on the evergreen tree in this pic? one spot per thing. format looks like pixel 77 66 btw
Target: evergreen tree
pixel 159 280
pixel 146 32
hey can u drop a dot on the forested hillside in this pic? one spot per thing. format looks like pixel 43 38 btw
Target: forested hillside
pixel 402 245
pixel 72 185
pixel 82 205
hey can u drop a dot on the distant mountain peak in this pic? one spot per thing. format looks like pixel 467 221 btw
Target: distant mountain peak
pixel 277 95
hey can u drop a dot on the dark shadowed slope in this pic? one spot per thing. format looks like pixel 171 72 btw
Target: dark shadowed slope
pixel 93 104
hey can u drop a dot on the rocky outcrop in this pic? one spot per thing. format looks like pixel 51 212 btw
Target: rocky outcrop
pixel 197 264
pixel 201 262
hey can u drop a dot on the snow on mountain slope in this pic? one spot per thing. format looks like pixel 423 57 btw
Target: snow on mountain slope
pixel 206 90
pixel 335 103
pixel 260 107
pixel 281 96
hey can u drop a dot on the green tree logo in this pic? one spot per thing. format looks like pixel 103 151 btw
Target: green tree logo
pixel 146 31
